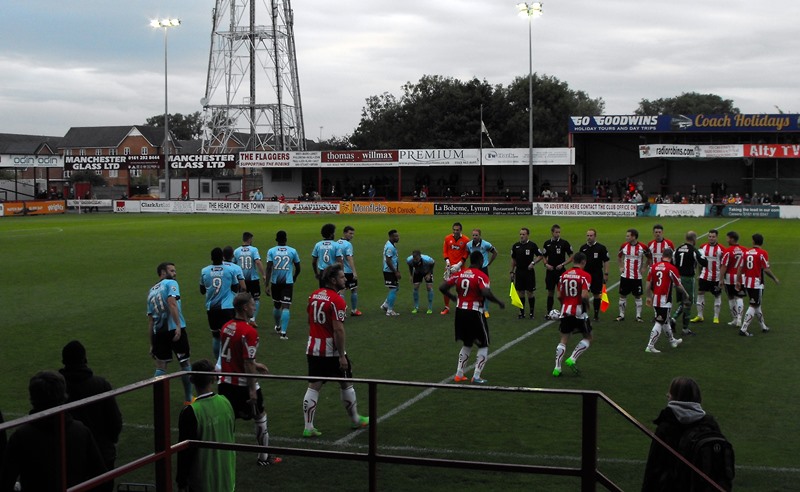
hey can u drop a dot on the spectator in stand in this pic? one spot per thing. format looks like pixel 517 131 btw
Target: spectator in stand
pixel 103 418
pixel 209 418
pixel 663 471
pixel 33 451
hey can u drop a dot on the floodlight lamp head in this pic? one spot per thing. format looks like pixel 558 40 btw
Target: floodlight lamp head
pixel 165 23
pixel 530 9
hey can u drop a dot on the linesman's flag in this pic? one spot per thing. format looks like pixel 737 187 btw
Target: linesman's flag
pixel 515 300
pixel 604 299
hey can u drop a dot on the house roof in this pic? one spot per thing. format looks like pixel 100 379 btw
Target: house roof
pixel 110 136
pixel 190 146
pixel 11 143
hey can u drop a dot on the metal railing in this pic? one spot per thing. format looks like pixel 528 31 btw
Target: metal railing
pixel 163 449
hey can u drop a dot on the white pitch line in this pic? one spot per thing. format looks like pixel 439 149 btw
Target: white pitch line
pixel 346 439
pixel 424 394
pixel 33 232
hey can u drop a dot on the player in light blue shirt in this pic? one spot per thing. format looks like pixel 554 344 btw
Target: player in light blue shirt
pixel 489 254
pixel 283 267
pixel 229 261
pixel 351 282
pixel 167 326
pixel 391 273
pixel 248 258
pixel 421 268
pixel 218 282
pixel 326 252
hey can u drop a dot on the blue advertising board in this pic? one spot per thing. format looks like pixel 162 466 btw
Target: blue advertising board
pixel 702 123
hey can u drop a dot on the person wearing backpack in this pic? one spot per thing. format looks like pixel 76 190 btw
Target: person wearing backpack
pixel 687 428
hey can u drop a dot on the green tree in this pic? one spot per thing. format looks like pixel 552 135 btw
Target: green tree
pixel 188 127
pixel 335 143
pixel 443 112
pixel 687 103
pixel 553 103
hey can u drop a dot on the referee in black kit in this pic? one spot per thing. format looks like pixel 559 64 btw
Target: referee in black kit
pixel 597 266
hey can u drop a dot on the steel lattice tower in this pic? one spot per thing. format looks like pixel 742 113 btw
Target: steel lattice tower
pixel 252 90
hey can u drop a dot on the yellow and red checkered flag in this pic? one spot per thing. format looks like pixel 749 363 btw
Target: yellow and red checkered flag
pixel 604 299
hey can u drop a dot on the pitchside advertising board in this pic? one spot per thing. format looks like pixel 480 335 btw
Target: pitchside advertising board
pixel 571 209
pixel 720 123
pixel 764 211
pixel 310 208
pixel 544 209
pixel 481 209
pixel 386 208
pixel 33 207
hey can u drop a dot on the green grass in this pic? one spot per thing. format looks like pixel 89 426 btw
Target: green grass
pixel 87 277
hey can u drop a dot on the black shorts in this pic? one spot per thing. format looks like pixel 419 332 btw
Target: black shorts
pixel 163 346
pixel 709 286
pixel 350 282
pixel 525 280
pixel 571 324
pixel 282 293
pixel 551 279
pixel 662 314
pixel 390 280
pixel 217 319
pixel 596 287
pixel 730 289
pixel 254 288
pixel 630 286
pixel 328 367
pixel 239 396
pixel 755 296
pixel 420 276
pixel 471 328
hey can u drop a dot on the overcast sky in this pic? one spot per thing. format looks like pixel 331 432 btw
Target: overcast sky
pixel 97 62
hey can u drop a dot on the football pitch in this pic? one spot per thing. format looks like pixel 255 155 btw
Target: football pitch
pixel 86 277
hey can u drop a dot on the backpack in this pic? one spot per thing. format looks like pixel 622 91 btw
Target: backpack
pixel 706 448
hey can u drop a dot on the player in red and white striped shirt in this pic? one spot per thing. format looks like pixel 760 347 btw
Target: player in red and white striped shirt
pixel 662 277
pixel 238 347
pixel 325 352
pixel 574 291
pixel 729 267
pixel 755 263
pixel 632 259
pixel 471 327
pixel 659 244
pixel 709 277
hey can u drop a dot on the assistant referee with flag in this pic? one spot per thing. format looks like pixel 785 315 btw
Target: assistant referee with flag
pixel 597 266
